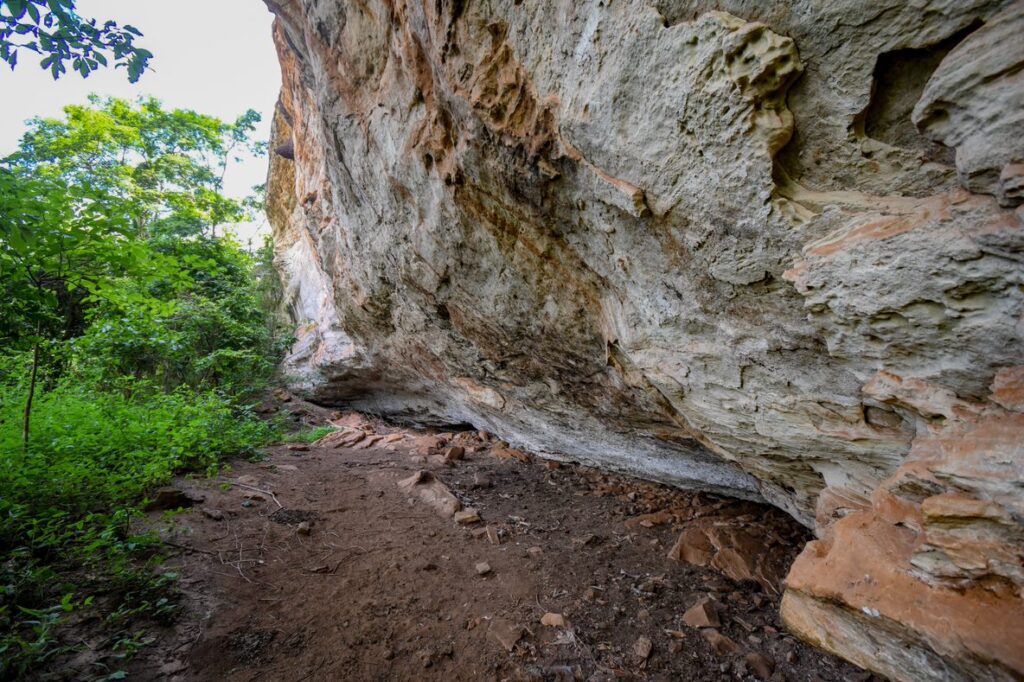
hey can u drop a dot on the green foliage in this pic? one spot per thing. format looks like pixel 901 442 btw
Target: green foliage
pixel 216 334
pixel 308 435
pixel 147 333
pixel 67 504
pixel 82 198
pixel 95 449
pixel 53 29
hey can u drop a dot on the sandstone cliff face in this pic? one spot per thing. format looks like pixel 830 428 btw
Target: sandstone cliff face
pixel 767 249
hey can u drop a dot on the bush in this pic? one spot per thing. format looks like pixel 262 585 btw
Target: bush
pixel 69 499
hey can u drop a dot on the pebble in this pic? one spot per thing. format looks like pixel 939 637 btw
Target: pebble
pixel 586 540
pixel 493 536
pixel 650 586
pixel 483 568
pixel 762 666
pixel 719 642
pixel 214 514
pixel 467 516
pixel 642 647
pixel 553 620
pixel 703 614
pixel 505 633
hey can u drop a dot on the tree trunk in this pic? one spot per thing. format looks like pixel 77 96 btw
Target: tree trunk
pixel 31 394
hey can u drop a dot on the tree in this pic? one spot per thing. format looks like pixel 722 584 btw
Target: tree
pixel 57 247
pixel 109 208
pixel 53 29
pixel 161 170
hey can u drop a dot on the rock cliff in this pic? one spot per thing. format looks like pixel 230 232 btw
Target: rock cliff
pixel 772 250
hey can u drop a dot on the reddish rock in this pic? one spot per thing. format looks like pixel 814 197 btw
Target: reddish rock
pixel 720 644
pixel 507 453
pixel 735 548
pixel 762 666
pixel 703 614
pixel 935 560
pixel 553 620
pixel 693 547
pixel 658 518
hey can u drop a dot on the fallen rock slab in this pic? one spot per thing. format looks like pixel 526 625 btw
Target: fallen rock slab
pixel 432 492
pixel 735 548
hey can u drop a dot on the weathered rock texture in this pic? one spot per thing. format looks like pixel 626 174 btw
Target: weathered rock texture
pixel 767 249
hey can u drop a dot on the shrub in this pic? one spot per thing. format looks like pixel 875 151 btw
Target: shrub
pixel 69 499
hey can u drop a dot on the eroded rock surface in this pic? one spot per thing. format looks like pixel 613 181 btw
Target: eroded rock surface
pixel 772 250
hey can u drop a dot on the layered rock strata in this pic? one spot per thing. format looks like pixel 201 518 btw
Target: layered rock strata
pixel 772 250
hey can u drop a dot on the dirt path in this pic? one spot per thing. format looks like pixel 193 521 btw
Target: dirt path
pixel 343 574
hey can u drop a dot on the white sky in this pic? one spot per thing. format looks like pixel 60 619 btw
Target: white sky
pixel 214 56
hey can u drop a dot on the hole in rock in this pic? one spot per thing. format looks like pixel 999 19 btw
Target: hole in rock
pixel 899 79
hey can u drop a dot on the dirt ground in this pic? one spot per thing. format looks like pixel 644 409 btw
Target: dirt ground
pixel 316 564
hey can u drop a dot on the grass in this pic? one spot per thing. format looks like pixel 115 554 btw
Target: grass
pixel 68 501
pixel 308 435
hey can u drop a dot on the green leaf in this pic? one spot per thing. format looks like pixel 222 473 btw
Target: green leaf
pixel 16 7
